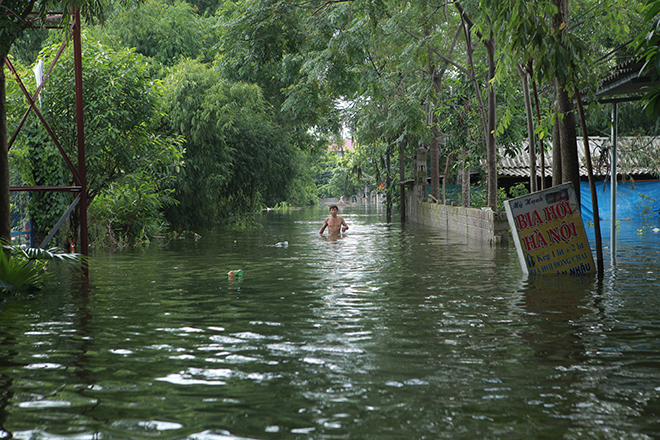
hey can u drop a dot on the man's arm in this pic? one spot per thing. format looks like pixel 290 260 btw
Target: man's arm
pixel 344 226
pixel 325 225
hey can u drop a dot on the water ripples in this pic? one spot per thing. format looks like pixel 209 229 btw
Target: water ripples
pixel 388 332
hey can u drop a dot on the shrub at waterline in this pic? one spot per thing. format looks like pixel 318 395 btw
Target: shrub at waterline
pixel 26 269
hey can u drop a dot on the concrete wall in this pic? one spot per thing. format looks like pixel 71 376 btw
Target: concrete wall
pixel 492 227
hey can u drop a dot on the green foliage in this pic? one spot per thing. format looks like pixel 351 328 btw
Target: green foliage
pixel 644 207
pixel 346 175
pixel 27 47
pixel 341 183
pixel 323 168
pixel 236 158
pixel 518 190
pixel 204 7
pixel 25 269
pixel 46 168
pixel 261 43
pixel 478 195
pixel 479 199
pixel 391 71
pixel 20 274
pixel 129 212
pixel 19 199
pixel 165 31
pixel 632 120
pixel 647 45
pixel 303 186
pixel 457 115
pixel 14 25
pixel 119 108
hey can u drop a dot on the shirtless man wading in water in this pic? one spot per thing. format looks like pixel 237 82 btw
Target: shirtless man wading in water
pixel 336 225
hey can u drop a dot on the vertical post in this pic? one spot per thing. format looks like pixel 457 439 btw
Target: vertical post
pixel 420 175
pixel 82 169
pixel 402 177
pixel 613 181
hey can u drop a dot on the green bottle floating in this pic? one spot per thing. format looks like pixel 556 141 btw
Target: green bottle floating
pixel 235 274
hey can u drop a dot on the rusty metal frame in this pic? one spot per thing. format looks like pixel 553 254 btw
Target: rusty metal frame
pixel 80 173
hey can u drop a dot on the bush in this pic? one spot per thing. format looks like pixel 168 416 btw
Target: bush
pixel 518 190
pixel 478 199
pixel 25 269
pixel 129 213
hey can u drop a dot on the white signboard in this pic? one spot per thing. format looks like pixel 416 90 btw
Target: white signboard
pixel 548 232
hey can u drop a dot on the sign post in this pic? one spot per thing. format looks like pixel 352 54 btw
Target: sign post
pixel 549 234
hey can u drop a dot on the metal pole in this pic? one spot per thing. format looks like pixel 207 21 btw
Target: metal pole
pixel 82 169
pixel 59 224
pixel 613 182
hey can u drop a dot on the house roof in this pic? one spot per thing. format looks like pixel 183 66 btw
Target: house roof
pixel 519 165
pixel 626 79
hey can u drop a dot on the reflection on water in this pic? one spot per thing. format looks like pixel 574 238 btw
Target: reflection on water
pixel 554 306
pixel 388 331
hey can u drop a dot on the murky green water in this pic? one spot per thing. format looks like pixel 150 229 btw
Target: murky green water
pixel 391 332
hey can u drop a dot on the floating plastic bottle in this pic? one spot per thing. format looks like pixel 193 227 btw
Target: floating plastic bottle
pixel 235 274
pixel 282 244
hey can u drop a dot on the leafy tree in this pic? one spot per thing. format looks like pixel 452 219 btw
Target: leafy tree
pixel 458 117
pixel 261 43
pixel 27 47
pixel 282 48
pixel 303 189
pixel 632 120
pixel 564 49
pixel 120 106
pixel 236 158
pixel 165 31
pixel 647 45
pixel 351 172
pixel 382 58
pixel 13 22
pixel 205 7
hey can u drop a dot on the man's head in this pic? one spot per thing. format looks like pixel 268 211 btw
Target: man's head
pixel 334 209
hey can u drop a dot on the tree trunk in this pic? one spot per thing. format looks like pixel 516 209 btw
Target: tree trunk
pixel 402 179
pixel 435 166
pixel 556 153
pixel 530 129
pixel 538 118
pixel 388 180
pixel 592 185
pixel 486 119
pixel 445 179
pixel 491 153
pixel 465 179
pixel 5 216
pixel 570 167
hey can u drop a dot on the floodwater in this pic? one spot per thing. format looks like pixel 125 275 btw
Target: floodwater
pixel 389 332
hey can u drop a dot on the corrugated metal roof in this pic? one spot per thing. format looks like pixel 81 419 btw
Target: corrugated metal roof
pixel 518 166
pixel 626 78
